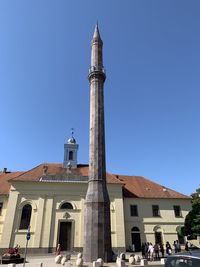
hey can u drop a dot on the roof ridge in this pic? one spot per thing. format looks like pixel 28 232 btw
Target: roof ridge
pixel 27 171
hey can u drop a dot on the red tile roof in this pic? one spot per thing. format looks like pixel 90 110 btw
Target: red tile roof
pixel 140 187
pixel 133 186
pixel 4 184
pixel 36 173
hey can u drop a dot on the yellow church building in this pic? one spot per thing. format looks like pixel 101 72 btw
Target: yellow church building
pixel 50 198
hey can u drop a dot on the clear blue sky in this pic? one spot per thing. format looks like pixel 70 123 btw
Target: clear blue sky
pixel 152 91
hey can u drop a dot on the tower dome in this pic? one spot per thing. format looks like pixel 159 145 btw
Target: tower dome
pixel 71 140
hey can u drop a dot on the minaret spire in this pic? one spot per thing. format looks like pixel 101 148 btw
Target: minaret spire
pixel 96 53
pixel 96 35
pixel 97 232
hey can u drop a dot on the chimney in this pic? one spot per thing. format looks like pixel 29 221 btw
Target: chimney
pixel 45 169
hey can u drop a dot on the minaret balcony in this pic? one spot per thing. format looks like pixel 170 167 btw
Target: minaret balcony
pixel 96 71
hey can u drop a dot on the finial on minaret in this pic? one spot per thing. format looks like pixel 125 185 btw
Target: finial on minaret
pixel 97 27
pixel 96 35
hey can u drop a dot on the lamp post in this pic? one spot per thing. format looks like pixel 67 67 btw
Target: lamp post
pixel 28 236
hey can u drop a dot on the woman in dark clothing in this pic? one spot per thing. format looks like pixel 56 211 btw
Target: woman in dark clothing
pixel 162 250
pixel 186 246
pixel 168 248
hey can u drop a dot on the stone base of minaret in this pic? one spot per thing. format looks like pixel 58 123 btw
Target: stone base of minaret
pixel 97 224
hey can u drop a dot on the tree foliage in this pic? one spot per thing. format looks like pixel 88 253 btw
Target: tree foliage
pixel 191 227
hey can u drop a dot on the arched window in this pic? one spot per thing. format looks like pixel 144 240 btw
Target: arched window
pixel 25 217
pixel 67 206
pixel 135 229
pixel 71 155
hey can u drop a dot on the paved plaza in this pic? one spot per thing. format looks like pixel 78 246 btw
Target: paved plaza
pixel 49 261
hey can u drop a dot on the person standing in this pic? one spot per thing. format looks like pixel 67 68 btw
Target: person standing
pixel 186 246
pixel 151 250
pixel 168 248
pixel 58 250
pixel 156 250
pixel 178 246
pixel 162 250
pixel 175 246
pixel 146 250
pixel 143 250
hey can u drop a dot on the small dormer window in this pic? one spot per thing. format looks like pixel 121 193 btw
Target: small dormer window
pixel 71 155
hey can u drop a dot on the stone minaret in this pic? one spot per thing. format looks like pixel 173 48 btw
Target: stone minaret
pixel 97 233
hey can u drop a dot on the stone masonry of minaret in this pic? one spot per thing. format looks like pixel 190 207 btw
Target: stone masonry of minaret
pixel 97 230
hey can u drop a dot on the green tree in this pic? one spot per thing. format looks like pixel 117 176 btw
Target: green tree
pixel 191 227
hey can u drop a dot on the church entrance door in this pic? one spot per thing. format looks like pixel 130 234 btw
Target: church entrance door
pixel 158 237
pixel 65 235
pixel 135 236
pixel 136 241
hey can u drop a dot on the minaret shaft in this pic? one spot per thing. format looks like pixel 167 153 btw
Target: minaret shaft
pixel 97 232
pixel 96 55
pixel 97 132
